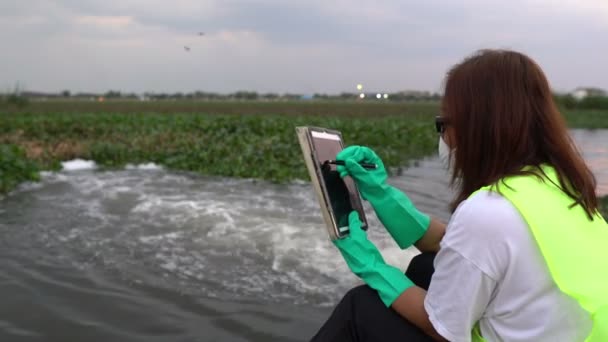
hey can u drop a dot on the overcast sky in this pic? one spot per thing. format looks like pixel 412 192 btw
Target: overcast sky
pixel 289 45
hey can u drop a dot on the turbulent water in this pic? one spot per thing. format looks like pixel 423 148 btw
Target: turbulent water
pixel 144 254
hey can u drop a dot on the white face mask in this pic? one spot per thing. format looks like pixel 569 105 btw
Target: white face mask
pixel 444 153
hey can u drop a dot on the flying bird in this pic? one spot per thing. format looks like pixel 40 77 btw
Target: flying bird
pixel 187 48
pixel 201 33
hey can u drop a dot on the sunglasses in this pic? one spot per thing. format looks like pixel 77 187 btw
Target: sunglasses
pixel 440 123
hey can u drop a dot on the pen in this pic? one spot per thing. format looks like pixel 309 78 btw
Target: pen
pixel 341 162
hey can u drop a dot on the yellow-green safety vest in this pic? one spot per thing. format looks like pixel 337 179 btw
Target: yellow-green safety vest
pixel 574 247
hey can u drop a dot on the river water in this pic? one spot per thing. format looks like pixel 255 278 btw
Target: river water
pixel 144 254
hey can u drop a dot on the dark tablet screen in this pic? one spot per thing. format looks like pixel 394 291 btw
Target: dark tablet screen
pixel 342 192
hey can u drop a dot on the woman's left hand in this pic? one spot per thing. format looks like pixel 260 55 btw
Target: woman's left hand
pixel 364 260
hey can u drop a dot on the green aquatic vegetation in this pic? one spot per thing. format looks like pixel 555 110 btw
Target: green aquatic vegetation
pixel 233 139
pixel 251 146
pixel 590 119
pixel 15 167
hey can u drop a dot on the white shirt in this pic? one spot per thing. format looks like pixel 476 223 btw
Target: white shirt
pixel 490 269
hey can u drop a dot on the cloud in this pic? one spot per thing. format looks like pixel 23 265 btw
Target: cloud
pixel 276 45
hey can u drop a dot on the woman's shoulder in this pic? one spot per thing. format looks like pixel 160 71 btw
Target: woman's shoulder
pixel 488 214
pixel 487 230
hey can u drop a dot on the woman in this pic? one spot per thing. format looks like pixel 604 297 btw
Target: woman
pixel 524 255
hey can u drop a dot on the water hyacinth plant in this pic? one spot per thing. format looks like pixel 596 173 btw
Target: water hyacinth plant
pixel 15 167
pixel 251 146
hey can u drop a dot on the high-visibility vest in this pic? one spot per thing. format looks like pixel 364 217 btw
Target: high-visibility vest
pixel 574 247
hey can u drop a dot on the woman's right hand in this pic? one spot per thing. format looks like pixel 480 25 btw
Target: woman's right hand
pixel 394 209
pixel 369 181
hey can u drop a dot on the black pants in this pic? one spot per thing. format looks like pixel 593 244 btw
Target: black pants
pixel 361 316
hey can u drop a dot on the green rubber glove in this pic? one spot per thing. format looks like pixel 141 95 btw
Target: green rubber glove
pixel 364 259
pixel 394 209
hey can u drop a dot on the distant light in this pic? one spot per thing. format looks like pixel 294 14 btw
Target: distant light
pixel 378 96
pixel 361 96
pixel 359 86
pixel 385 96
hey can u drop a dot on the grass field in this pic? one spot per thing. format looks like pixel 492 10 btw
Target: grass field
pixel 234 139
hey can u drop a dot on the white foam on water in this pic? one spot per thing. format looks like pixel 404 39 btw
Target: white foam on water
pixel 153 239
pixel 168 265
pixel 28 186
pixel 145 166
pixel 148 204
pixel 78 165
pixel 72 234
pixel 177 203
pixel 232 233
pixel 53 177
pixel 314 265
pixel 309 261
pixel 301 182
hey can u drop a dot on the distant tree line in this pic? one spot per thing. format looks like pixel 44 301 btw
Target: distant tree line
pixel 239 95
pixel 18 97
pixel 590 102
